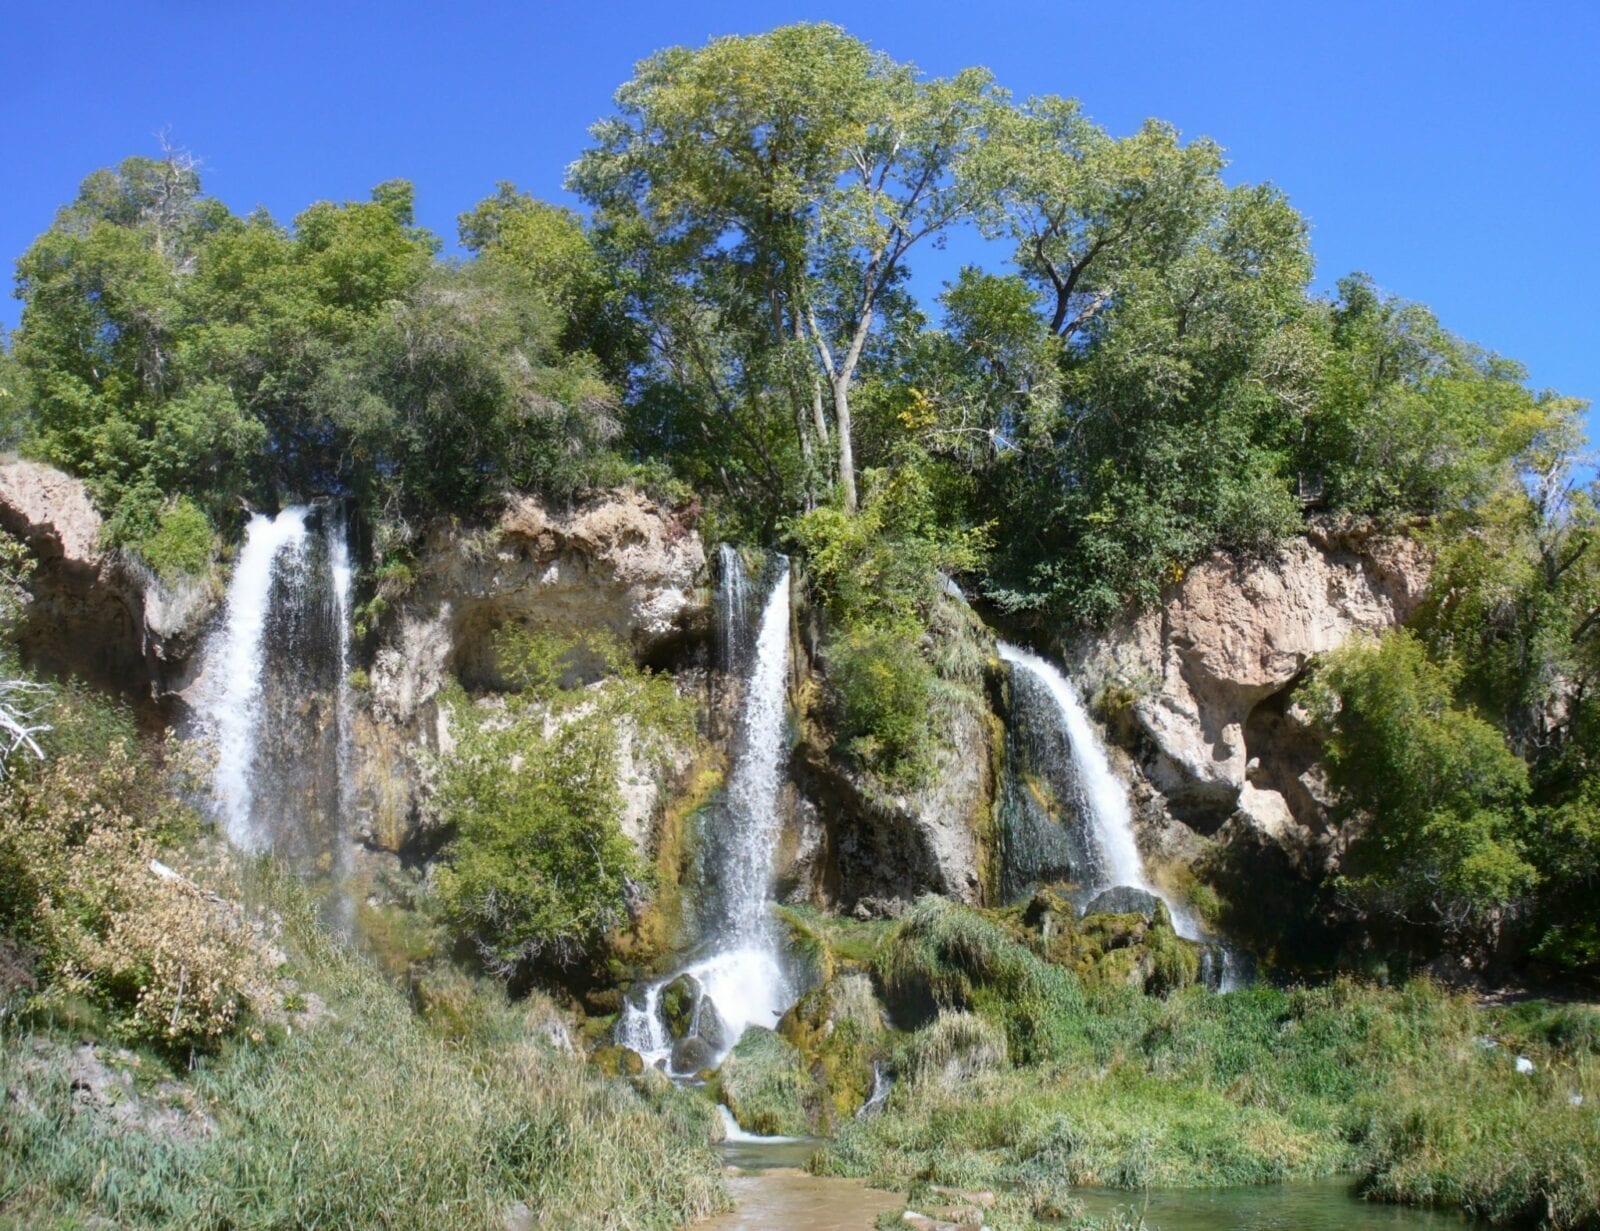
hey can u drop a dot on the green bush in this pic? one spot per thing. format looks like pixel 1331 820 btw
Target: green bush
pixel 311 1131
pixel 182 545
pixel 538 866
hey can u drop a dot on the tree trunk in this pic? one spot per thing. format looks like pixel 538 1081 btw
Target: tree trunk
pixel 847 458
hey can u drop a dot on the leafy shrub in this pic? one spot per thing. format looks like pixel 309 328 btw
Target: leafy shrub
pixel 1433 795
pixel 81 887
pixel 884 688
pixel 182 543
pixel 539 868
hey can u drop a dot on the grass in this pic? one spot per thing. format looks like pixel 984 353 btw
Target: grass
pixel 372 1117
pixel 1112 1087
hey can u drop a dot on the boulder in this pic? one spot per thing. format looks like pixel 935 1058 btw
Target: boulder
pixel 765 1083
pixel 1125 900
pixel 691 1054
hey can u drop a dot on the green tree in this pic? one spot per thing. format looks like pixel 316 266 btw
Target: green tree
pixel 1409 419
pixel 102 347
pixel 1431 800
pixel 782 179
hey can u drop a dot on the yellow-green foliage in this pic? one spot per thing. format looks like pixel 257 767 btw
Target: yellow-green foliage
pixel 956 1048
pixel 81 887
pixel 370 1117
pixel 764 1082
pixel 839 1030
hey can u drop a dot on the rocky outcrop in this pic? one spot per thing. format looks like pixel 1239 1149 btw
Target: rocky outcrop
pixel 96 614
pixel 881 850
pixel 619 565
pixel 1200 688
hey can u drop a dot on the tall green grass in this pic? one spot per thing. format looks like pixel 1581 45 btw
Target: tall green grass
pixel 1399 1086
pixel 371 1119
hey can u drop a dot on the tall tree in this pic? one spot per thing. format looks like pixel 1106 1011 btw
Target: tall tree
pixel 787 176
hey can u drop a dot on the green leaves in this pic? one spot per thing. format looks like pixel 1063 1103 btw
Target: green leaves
pixel 539 869
pixel 1432 799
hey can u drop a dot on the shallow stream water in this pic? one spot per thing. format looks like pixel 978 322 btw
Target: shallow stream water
pixel 1318 1205
pixel 772 1191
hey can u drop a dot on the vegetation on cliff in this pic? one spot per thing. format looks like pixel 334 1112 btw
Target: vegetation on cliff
pixel 1146 378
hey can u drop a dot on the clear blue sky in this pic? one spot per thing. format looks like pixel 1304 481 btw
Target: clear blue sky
pixel 1449 149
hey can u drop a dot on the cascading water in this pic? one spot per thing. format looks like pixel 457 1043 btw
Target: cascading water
pixel 1115 858
pixel 741 981
pixel 231 705
pixel 274 694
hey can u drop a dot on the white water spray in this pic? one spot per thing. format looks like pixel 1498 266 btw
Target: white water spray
pixel 743 977
pixel 1105 798
pixel 231 706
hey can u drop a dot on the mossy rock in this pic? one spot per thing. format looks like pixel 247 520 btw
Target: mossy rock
pixel 1112 948
pixel 767 1086
pixel 839 1029
pixel 691 1054
pixel 447 1000
pixel 678 999
pixel 616 1061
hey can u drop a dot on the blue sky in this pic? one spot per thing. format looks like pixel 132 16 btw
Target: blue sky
pixel 1448 149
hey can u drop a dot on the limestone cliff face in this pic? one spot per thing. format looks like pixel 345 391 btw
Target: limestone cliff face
pixel 97 614
pixel 1201 686
pixel 617 564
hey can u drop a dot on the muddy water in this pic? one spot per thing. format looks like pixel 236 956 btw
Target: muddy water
pixel 792 1200
pixel 773 1192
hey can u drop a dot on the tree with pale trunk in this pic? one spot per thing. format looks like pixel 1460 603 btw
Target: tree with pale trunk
pixel 778 183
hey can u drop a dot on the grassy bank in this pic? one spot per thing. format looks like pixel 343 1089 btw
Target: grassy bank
pixel 1414 1090
pixel 363 1115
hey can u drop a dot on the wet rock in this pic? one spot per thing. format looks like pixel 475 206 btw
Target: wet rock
pixel 1125 900
pixel 708 1024
pixel 692 1054
pixel 678 1000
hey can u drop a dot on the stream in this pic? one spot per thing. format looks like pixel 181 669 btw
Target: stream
pixel 771 1190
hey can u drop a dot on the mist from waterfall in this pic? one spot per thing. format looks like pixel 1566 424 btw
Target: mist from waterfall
pixel 741 980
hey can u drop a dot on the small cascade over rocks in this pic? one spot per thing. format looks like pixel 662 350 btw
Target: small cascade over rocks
pixel 691 1020
pixel 1102 856
pixel 274 691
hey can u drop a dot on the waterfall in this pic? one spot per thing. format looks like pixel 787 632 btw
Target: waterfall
pixel 274 693
pixel 232 704
pixel 1103 796
pixel 741 980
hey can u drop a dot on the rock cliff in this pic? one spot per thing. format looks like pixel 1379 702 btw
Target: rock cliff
pixel 97 614
pixel 617 564
pixel 1199 689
